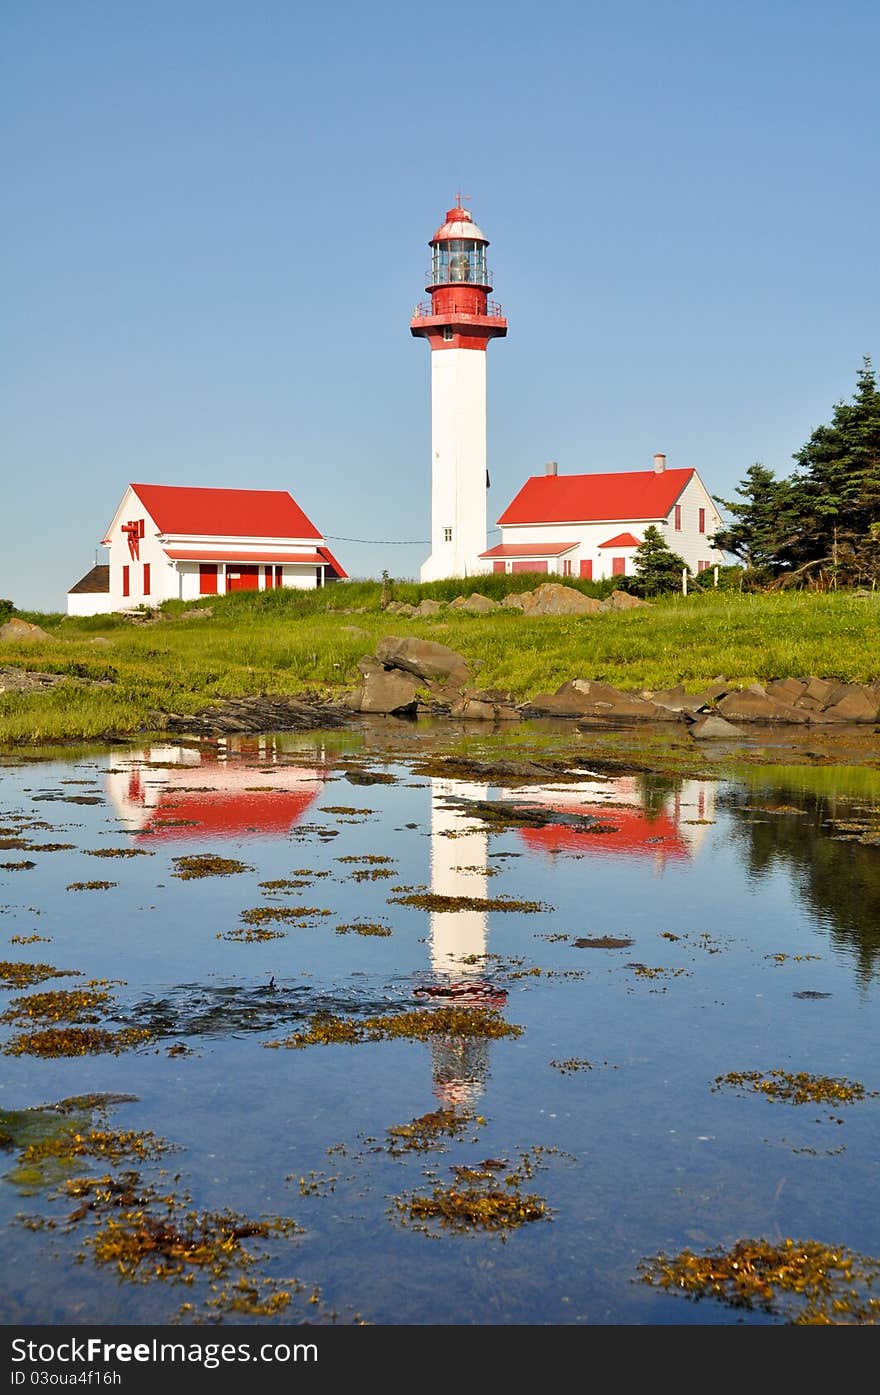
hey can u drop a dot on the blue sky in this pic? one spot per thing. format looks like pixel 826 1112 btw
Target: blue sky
pixel 216 219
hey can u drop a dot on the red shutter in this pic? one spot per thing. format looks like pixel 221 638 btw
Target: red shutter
pixel 146 578
pixel 279 576
pixel 587 570
pixel 702 520
pixel 618 566
pixel 678 518
pixel 125 581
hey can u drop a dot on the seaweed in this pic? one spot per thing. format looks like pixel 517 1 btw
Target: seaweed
pixel 207 865
pixel 421 1025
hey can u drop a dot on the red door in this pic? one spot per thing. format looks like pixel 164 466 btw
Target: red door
pixel 587 570
pixel 207 578
pixel 618 566
pixel 241 578
pixel 528 566
pixel 498 566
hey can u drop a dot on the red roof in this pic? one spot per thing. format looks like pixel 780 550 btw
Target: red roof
pixel 538 549
pixel 634 494
pixel 240 513
pixel 340 571
pixel 621 540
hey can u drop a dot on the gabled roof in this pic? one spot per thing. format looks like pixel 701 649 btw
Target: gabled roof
pixel 95 582
pixel 628 494
pixel 242 513
pixel 621 540
pixel 532 549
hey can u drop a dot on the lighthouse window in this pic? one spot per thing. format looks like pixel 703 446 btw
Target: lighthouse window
pixel 447 535
pixel 448 334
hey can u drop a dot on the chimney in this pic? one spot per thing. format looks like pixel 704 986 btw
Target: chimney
pixel 551 468
pixel 659 464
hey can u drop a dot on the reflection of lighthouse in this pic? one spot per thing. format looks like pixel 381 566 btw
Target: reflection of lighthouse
pixel 238 787
pixel 459 1066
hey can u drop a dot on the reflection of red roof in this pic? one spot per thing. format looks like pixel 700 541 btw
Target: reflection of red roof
pixel 225 814
pixel 621 540
pixel 635 835
pixel 596 498
pixel 534 549
pixel 237 513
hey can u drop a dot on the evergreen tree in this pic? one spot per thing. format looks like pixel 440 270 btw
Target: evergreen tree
pixel 754 535
pixel 658 568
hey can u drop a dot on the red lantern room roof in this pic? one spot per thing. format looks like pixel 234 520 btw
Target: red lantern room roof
pixel 458 223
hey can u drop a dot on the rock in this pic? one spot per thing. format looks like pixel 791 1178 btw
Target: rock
pixel 786 689
pixel 622 600
pixel 427 607
pixel 676 699
pixel 819 690
pixel 714 728
pixel 423 658
pixel 860 706
pixel 399 608
pixel 21 630
pixel 516 600
pixel 388 691
pixel 625 711
pixel 203 612
pixel 754 705
pixel 475 603
pixel 552 598
pixel 19 680
pixel 253 715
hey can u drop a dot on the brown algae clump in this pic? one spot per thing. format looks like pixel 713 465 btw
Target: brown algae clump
pixel 796 1087
pixel 75 1041
pixel 486 1197
pixel 420 1025
pixel 144 1246
pixel 19 975
pixel 260 915
pixel 429 1130
pixel 64 1005
pixel 253 934
pixel 363 927
pixel 434 901
pixel 118 852
pixel 91 886
pixel 207 865
pixel 603 942
pixel 803 1280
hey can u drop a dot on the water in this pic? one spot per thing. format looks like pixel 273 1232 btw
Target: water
pixel 750 905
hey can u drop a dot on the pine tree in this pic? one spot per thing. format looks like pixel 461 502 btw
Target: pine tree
pixel 754 536
pixel 658 568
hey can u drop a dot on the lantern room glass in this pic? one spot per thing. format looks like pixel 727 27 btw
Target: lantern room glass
pixel 460 261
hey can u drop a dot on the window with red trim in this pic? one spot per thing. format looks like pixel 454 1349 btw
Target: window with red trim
pixel 566 567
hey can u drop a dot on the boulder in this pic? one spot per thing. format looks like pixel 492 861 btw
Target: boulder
pixel 475 603
pixel 400 608
pixel 18 630
pixel 786 689
pixel 625 711
pixel 427 607
pixel 714 728
pixel 819 690
pixel 385 691
pixel 754 705
pixel 622 600
pixel 516 600
pixel 552 598
pixel 424 659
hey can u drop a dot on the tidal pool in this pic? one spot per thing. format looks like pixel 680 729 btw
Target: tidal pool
pixel 342 1028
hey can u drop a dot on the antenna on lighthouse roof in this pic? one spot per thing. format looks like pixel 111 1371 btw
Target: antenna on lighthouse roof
pixel 459 196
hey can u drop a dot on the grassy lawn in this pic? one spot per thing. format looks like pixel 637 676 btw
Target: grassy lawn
pixel 287 642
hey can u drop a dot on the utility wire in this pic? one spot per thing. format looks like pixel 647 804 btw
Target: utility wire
pixel 389 542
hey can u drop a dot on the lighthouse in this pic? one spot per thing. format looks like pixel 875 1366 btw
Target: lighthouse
pixel 458 322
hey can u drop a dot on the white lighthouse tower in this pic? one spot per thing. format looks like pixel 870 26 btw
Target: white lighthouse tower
pixel 458 322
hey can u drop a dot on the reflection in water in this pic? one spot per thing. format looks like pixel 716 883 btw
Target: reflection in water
pixel 460 1066
pixel 235 787
pixel 641 816
pixel 818 838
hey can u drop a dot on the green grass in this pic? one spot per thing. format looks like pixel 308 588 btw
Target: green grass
pixel 287 642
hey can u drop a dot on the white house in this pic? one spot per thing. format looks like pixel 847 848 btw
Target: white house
pixel 591 525
pixel 172 542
